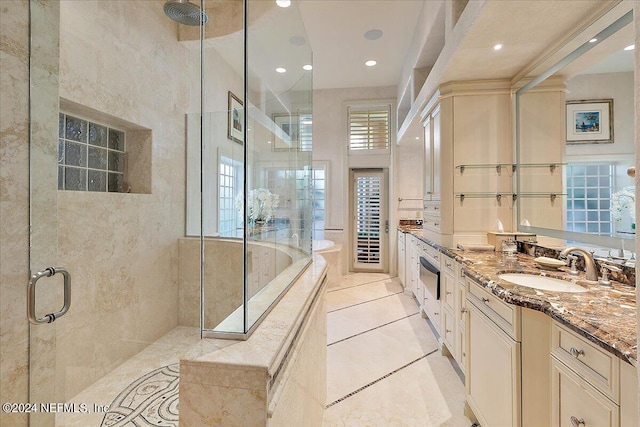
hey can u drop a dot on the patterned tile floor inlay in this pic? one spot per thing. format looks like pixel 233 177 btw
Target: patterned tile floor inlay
pixel 151 400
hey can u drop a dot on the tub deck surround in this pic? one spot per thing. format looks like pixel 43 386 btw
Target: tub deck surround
pixel 276 377
pixel 604 316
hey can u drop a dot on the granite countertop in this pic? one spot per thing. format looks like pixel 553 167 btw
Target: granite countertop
pixel 604 316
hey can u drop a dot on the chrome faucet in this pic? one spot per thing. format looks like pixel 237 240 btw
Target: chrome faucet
pixel 589 264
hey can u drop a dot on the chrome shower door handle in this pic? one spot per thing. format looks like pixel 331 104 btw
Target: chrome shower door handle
pixel 31 295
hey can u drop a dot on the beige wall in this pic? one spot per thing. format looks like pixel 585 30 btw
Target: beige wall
pixel 122 59
pixel 14 204
pixel 120 248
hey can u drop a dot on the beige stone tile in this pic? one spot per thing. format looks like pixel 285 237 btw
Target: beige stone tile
pixel 360 360
pixel 427 393
pixel 361 278
pixel 354 320
pixel 344 297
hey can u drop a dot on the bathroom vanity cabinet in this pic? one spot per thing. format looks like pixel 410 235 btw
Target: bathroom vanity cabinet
pixel 493 374
pixel 522 367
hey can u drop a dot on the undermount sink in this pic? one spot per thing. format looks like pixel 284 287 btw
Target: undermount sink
pixel 542 282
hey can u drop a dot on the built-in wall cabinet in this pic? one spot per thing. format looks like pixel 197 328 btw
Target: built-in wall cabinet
pixel 522 368
pixel 467 129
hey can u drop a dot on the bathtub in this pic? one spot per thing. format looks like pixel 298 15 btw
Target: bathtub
pixel 322 245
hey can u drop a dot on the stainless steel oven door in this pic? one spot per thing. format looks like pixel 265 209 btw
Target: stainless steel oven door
pixel 430 277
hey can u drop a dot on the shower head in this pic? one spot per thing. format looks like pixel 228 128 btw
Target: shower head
pixel 184 12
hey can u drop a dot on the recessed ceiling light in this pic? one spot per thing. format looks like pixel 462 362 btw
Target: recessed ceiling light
pixel 283 3
pixel 307 67
pixel 268 142
pixel 281 70
pixel 370 63
pixel 417 137
pixel 593 40
pixel 373 34
pixel 497 46
pixel 630 47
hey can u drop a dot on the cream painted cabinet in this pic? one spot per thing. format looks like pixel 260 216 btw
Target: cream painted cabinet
pixel 432 157
pixel 589 386
pixel 576 403
pixel 402 258
pixel 493 359
pixel 411 263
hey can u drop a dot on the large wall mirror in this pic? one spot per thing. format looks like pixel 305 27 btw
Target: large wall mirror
pixel 575 139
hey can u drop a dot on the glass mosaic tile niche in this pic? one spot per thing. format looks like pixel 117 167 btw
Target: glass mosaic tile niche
pixel 91 156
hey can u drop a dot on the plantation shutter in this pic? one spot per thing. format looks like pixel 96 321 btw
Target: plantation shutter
pixel 368 227
pixel 369 128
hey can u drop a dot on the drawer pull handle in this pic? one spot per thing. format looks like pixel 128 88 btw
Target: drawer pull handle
pixel 436 224
pixel 448 331
pixel 449 293
pixel 463 310
pixel 464 354
pixel 576 353
pixel 577 422
pixel 436 313
pixel 485 300
pixel 448 264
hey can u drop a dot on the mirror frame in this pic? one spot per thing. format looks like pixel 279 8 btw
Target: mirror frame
pixel 592 239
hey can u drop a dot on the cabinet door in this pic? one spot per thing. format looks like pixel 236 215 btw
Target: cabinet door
pixel 401 260
pixel 436 157
pixel 428 160
pixel 575 403
pixel 493 372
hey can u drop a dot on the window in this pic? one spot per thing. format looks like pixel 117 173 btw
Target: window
pixel 305 132
pixel 319 200
pixel 589 197
pixel 229 219
pixel 369 128
pixel 90 156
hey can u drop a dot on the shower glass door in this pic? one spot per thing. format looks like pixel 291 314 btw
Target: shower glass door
pixel 111 84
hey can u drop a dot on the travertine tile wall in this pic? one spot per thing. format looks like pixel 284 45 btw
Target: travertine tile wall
pixel 122 59
pixel 14 204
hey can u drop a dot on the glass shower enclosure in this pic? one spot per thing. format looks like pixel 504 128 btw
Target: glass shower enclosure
pixel 249 151
pixel 169 173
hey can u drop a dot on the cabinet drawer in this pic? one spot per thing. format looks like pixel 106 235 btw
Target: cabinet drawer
pixel 462 309
pixel 432 207
pixel 462 349
pixel 448 290
pixel 432 310
pixel 449 332
pixel 431 222
pixel 432 252
pixel 506 316
pixel 577 403
pixel 449 265
pixel 598 367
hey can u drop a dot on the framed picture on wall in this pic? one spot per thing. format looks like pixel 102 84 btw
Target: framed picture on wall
pixel 590 121
pixel 287 132
pixel 235 123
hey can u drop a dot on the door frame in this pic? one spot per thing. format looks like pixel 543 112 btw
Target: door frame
pixel 384 218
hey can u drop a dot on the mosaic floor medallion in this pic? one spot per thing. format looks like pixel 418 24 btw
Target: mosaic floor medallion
pixel 151 400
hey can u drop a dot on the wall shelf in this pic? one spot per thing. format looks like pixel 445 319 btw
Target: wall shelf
pixel 552 166
pixel 497 196
pixel 551 196
pixel 497 166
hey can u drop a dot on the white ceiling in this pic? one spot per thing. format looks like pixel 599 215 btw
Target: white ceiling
pixel 336 28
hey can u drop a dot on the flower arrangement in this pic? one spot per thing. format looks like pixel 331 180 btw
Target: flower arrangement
pixel 261 204
pixel 624 199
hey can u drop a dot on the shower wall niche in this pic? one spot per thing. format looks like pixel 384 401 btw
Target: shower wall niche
pixel 248 164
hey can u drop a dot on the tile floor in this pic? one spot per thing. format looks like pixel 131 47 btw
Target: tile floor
pixel 384 366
